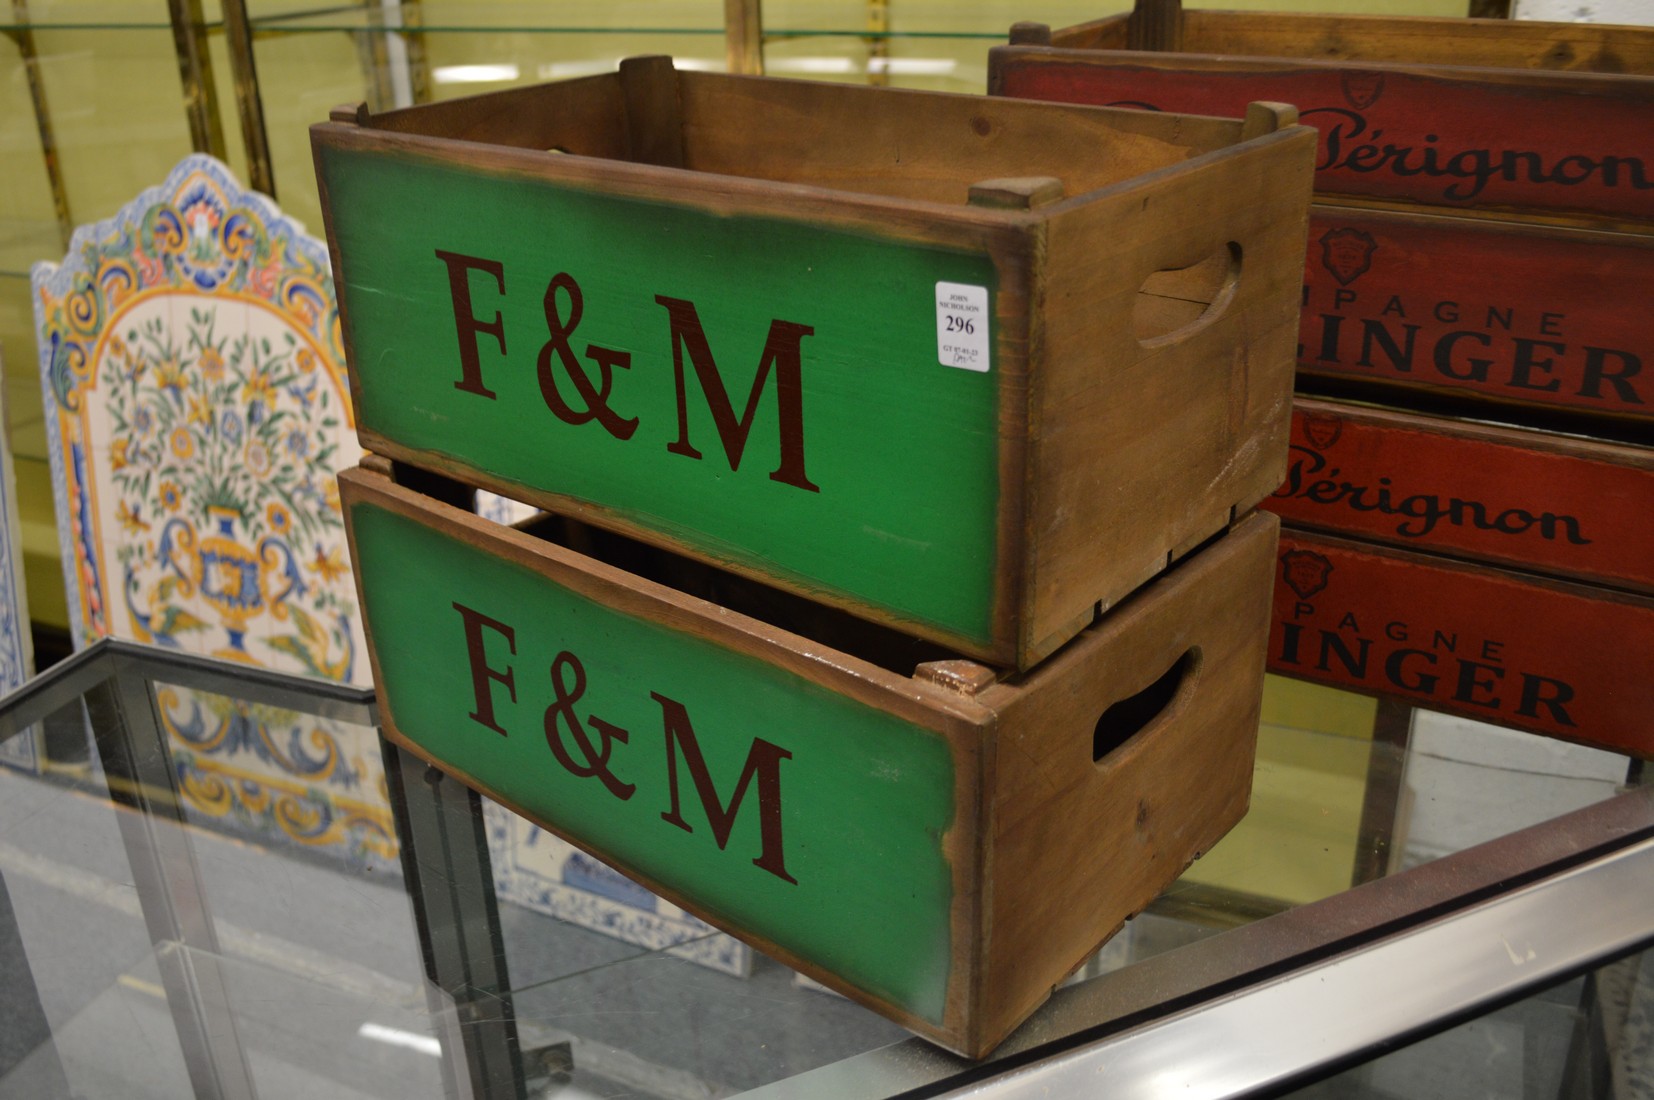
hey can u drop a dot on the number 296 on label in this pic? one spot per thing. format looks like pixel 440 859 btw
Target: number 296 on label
pixel 962 337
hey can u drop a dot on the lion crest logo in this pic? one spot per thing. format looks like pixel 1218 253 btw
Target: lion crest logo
pixel 1361 90
pixel 1323 431
pixel 1347 253
pixel 1305 572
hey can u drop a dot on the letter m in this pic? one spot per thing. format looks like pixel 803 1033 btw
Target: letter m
pixel 781 351
pixel 763 763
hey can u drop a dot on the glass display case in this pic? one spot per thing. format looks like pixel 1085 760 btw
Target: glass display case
pixel 1490 945
pixel 1413 906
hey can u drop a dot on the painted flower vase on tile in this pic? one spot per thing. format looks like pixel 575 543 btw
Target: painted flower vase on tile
pixel 198 410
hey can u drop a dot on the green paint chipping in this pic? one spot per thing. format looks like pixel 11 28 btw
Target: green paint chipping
pixel 903 449
pixel 865 798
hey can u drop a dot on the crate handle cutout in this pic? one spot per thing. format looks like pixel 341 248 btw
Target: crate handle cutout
pixel 1130 716
pixel 1178 302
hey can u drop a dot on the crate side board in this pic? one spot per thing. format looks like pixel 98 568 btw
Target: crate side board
pixel 895 762
pixel 1081 843
pixel 1438 136
pixel 920 145
pixel 938 504
pixel 585 116
pixel 1539 502
pixel 1537 319
pixel 1563 659
pixel 1143 446
pixel 920 221
pixel 1489 43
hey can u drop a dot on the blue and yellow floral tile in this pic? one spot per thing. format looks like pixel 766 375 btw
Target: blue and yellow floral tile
pixel 197 410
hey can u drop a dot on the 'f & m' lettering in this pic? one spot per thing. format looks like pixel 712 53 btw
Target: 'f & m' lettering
pixel 763 763
pixel 585 746
pixel 580 390
pixel 781 351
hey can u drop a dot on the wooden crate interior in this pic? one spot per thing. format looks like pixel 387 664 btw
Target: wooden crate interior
pixel 926 147
pixel 822 625
pixel 880 142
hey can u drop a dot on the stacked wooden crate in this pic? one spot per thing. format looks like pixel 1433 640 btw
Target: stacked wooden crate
pixel 902 602
pixel 1481 260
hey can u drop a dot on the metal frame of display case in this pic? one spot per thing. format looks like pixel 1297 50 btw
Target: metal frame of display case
pixel 454 912
pixel 23 35
pixel 1254 1009
pixel 192 34
pixel 1310 990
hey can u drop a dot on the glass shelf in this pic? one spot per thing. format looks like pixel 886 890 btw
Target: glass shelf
pixel 343 973
pixel 687 17
pixel 90 15
pixel 24 242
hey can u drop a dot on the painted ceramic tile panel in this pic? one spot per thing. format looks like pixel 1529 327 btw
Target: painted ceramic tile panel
pixel 197 411
pixel 503 510
pixel 542 872
pixel 16 656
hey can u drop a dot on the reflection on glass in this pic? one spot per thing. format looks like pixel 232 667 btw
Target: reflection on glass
pixel 279 776
pixel 1588 1037
pixel 203 864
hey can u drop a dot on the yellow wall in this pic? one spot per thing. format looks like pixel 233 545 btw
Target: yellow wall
pixel 1298 843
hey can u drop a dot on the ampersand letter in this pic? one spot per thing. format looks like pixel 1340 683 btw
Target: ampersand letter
pixel 596 762
pixel 595 398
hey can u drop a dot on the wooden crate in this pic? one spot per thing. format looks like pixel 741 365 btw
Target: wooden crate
pixel 971 367
pixel 1465 114
pixel 1515 649
pixel 1444 144
pixel 943 845
pixel 1541 502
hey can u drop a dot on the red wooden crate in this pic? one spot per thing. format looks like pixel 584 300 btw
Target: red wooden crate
pixel 1454 113
pixel 1451 150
